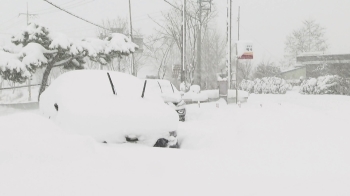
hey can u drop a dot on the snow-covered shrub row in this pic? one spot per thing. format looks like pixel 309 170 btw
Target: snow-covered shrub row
pixel 247 85
pixel 294 82
pixel 330 84
pixel 267 85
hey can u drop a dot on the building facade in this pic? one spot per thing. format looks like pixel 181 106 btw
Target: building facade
pixel 325 64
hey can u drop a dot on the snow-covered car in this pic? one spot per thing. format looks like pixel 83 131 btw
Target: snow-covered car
pixel 110 107
pixel 170 95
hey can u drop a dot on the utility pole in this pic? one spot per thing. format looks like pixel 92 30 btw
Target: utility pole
pixel 29 83
pixel 199 44
pixel 237 62
pixel 229 41
pixel 183 74
pixel 131 38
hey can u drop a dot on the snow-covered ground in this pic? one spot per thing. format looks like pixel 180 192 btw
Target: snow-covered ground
pixel 288 144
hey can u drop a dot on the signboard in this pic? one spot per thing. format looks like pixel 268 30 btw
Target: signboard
pixel 244 49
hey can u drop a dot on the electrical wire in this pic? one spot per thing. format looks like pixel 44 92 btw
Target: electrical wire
pixel 47 9
pixel 76 15
pixel 69 7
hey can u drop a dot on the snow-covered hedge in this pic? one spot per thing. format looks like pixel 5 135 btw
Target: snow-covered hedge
pixel 267 85
pixel 330 84
pixel 195 94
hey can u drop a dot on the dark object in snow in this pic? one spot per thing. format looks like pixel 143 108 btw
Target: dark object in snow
pixel 104 142
pixel 144 88
pixel 56 106
pixel 161 143
pixel 131 139
pixel 110 80
pixel 182 118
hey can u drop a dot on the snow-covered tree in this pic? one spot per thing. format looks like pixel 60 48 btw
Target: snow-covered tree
pixel 266 69
pixel 41 48
pixel 309 38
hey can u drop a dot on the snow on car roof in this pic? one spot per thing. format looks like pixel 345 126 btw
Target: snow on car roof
pixel 89 82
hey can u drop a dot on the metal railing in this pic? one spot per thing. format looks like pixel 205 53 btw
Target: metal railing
pixel 24 86
pixel 8 88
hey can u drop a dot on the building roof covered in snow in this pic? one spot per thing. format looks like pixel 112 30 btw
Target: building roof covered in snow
pixel 315 59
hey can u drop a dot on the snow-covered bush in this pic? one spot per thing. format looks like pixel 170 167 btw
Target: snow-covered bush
pixel 267 85
pixel 330 84
pixel 247 85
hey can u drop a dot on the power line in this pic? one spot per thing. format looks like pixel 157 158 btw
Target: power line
pixel 76 15
pixel 47 9
pixel 78 4
pixel 174 6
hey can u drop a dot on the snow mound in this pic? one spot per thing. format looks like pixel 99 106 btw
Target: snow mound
pixel 330 84
pixel 267 85
pixel 195 89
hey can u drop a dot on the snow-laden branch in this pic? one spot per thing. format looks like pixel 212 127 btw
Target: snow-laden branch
pixel 43 48
pixel 60 63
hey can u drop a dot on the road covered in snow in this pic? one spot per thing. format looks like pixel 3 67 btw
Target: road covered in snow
pixel 272 145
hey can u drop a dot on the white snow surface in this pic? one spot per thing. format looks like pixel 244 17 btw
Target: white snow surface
pixel 33 54
pixel 59 40
pixel 94 46
pixel 120 42
pixel 10 61
pixel 213 94
pixel 195 96
pixel 273 145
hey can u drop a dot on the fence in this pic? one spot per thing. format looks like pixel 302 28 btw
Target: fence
pixel 30 95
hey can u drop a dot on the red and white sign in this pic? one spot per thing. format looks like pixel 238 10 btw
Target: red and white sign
pixel 244 49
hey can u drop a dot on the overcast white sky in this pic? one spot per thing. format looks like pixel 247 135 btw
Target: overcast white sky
pixel 266 22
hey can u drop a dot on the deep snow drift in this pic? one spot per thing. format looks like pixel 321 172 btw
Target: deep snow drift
pixel 272 145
